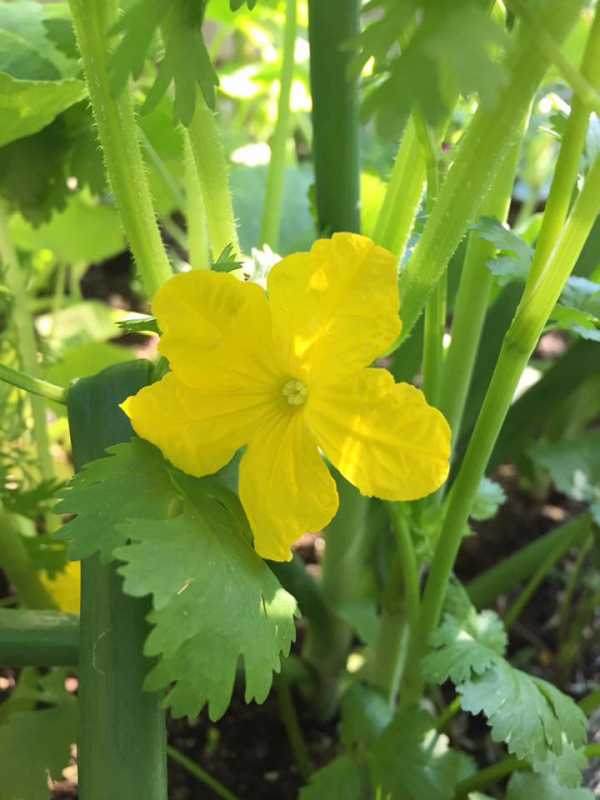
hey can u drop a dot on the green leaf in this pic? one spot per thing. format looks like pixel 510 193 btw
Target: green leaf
pixel 234 5
pixel 536 721
pixel 128 483
pixel 28 106
pixel 186 542
pixel 578 309
pixel 573 465
pixel 488 499
pixel 515 255
pixel 226 262
pixel 35 744
pixel 407 763
pixel 527 786
pixel 365 715
pixel 185 63
pixel 465 647
pixel 214 601
pixel 342 779
pixel 142 324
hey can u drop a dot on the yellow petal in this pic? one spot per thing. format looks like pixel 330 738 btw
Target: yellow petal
pixel 334 309
pixel 211 315
pixel 198 431
pixel 285 487
pixel 382 436
pixel 65 587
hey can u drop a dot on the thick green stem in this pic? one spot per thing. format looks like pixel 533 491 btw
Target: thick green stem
pixel 335 114
pixel 517 348
pixel 482 151
pixel 569 159
pixel 38 639
pixel 18 566
pixel 122 735
pixel 472 300
pixel 195 212
pixel 276 177
pixel 400 612
pixel 35 386
pixel 26 343
pixel 212 173
pixel 403 194
pixel 544 568
pixel 118 136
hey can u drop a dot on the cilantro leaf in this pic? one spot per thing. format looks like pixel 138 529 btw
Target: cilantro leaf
pixel 488 499
pixel 465 647
pixel 343 777
pixel 578 309
pixel 128 483
pixel 404 764
pixel 527 785
pixel 185 62
pixel 573 465
pixel 35 744
pixel 515 255
pixel 186 542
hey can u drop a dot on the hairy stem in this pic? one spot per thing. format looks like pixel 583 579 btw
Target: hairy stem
pixel 195 212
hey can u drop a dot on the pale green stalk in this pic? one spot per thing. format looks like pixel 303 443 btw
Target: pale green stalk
pixel 472 300
pixel 33 385
pixel 519 343
pixel 403 194
pixel 212 173
pixel 485 145
pixel 195 212
pixel 118 135
pixel 201 775
pixel 26 343
pixel 276 177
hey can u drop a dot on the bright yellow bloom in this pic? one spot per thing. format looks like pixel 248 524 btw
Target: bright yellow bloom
pixel 287 376
pixel 65 587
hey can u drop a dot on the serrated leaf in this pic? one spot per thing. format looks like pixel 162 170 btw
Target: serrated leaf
pixel 28 106
pixel 488 499
pixel 573 465
pixel 35 744
pixel 465 647
pixel 365 715
pixel 535 720
pixel 214 601
pixel 342 779
pixel 514 260
pixel 226 262
pixel 406 763
pixel 128 483
pixel 527 786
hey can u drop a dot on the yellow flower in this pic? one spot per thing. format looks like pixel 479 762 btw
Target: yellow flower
pixel 287 376
pixel 65 587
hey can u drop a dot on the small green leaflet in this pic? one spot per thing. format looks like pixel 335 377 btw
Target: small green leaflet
pixel 185 542
pixel 488 499
pixel 140 324
pixel 515 255
pixel 530 786
pixel 185 62
pixel 406 763
pixel 573 465
pixel 538 722
pixel 342 779
pixel 227 261
pixel 34 744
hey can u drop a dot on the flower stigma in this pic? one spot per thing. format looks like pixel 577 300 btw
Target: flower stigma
pixel 295 392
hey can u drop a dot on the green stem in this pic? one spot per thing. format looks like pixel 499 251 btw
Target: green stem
pixel 335 114
pixel 504 576
pixel 590 702
pixel 569 158
pixel 58 298
pixel 200 774
pixel 212 173
pixel 26 344
pixel 472 300
pixel 289 717
pixel 565 615
pixel 122 740
pixel 400 612
pixel 18 566
pixel 403 195
pixel 276 177
pixel 195 214
pixel 36 386
pixel 38 639
pixel 162 170
pixel 544 568
pixel 546 43
pixel 517 348
pixel 117 132
pixel 448 714
pixel 482 151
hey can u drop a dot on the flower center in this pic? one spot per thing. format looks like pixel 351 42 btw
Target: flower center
pixel 295 392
